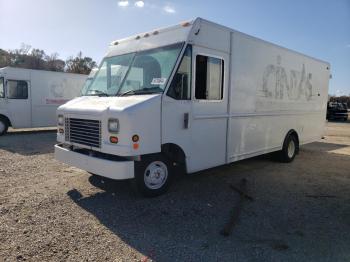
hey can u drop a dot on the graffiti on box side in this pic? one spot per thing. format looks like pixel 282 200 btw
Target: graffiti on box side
pixel 280 84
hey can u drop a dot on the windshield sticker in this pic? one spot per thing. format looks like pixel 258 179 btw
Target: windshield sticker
pixel 158 81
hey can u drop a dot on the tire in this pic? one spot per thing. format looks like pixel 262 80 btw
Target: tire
pixel 289 150
pixel 152 175
pixel 3 126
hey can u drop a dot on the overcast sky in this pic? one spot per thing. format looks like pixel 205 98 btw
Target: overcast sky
pixel 320 28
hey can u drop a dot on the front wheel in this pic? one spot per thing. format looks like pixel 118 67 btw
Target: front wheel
pixel 290 149
pixel 152 175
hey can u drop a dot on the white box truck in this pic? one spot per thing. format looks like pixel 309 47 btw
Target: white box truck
pixel 30 98
pixel 196 95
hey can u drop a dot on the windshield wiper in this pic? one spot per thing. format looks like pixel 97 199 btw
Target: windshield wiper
pixel 96 92
pixel 141 91
pixel 129 92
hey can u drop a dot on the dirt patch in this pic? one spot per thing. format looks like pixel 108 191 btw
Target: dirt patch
pixel 53 212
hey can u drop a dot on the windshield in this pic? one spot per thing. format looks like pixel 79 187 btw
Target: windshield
pixel 86 85
pixel 88 81
pixel 135 73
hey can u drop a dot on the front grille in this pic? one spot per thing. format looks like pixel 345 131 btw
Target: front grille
pixel 83 131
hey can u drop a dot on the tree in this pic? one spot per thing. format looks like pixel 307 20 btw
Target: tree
pixel 54 64
pixel 24 49
pixel 20 57
pixel 34 58
pixel 80 64
pixel 5 58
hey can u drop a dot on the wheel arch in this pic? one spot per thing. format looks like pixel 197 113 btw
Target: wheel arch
pixel 4 117
pixel 175 153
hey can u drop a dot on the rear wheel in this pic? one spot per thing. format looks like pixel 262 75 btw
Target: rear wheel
pixel 3 126
pixel 290 149
pixel 152 175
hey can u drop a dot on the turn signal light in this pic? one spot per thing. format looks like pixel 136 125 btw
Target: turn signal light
pixel 135 138
pixel 113 139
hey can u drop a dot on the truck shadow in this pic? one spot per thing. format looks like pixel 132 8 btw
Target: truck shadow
pixel 29 142
pixel 324 147
pixel 186 221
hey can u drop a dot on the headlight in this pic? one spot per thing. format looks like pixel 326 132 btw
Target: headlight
pixel 113 125
pixel 60 120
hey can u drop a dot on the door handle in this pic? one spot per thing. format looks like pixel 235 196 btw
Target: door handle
pixel 186 120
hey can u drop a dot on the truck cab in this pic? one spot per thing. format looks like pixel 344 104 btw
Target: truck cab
pixel 15 97
pixel 134 120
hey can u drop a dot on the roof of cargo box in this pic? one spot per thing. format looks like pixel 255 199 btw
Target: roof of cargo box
pixel 187 31
pixel 155 38
pixel 183 32
pixel 11 68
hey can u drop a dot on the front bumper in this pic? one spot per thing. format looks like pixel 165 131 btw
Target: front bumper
pixel 107 168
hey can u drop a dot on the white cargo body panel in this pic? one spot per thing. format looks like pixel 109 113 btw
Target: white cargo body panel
pixel 272 90
pixel 50 90
pixel 44 92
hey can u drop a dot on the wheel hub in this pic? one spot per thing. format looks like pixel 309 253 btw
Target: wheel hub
pixel 155 175
pixel 291 148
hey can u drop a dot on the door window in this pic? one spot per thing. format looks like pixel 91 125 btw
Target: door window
pixel 209 78
pixel 17 89
pixel 180 87
pixel 2 89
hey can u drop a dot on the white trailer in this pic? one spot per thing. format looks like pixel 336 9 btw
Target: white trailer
pixel 29 98
pixel 195 95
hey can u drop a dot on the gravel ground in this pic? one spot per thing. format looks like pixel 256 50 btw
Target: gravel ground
pixel 53 212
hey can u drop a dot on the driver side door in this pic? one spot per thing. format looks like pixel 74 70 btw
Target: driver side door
pixel 18 103
pixel 177 106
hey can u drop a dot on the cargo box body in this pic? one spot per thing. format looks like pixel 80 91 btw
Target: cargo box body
pixel 268 90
